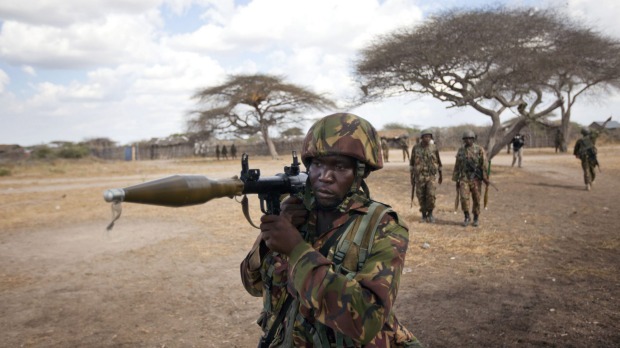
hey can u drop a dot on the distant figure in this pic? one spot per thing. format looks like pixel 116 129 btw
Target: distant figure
pixel 224 152
pixel 385 147
pixel 585 150
pixel 402 142
pixel 559 140
pixel 217 151
pixel 233 151
pixel 517 149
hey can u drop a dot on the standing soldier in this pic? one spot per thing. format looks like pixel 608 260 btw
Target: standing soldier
pixel 424 166
pixel 329 265
pixel 217 151
pixel 404 146
pixel 517 149
pixel 224 152
pixel 585 150
pixel 233 151
pixel 559 139
pixel 470 170
pixel 385 148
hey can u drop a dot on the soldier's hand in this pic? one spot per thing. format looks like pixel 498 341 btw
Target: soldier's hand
pixel 293 209
pixel 279 234
pixel 440 178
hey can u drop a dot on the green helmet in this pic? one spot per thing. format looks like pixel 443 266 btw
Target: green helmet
pixel 469 134
pixel 343 134
pixel 585 131
pixel 425 132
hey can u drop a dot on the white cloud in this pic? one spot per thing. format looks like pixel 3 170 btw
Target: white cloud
pixel 4 80
pixel 29 70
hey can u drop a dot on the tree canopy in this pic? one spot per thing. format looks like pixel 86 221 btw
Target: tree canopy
pixel 491 60
pixel 251 104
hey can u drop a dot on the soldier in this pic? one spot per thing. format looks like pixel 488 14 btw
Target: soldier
pixel 404 145
pixel 328 267
pixel 224 152
pixel 217 151
pixel 558 140
pixel 585 150
pixel 385 148
pixel 517 149
pixel 424 166
pixel 233 151
pixel 470 170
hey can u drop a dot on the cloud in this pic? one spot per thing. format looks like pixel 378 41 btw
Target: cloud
pixel 4 80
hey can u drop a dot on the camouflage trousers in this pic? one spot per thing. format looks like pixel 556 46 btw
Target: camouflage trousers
pixel 589 174
pixel 425 191
pixel 473 189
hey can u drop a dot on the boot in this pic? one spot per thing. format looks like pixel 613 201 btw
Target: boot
pixel 475 220
pixel 423 216
pixel 430 218
pixel 588 187
pixel 466 221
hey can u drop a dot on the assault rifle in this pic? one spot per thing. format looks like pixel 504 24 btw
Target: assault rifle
pixel 186 190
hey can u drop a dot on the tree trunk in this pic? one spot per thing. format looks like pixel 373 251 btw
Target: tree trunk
pixel 269 142
pixel 565 129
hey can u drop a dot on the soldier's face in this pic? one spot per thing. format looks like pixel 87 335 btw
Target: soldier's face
pixel 331 178
pixel 426 139
pixel 468 141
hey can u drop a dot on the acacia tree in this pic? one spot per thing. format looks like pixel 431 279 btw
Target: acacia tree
pixel 491 60
pixel 251 104
pixel 584 62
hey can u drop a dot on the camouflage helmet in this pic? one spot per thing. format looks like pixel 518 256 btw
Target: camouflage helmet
pixel 469 134
pixel 585 131
pixel 343 134
pixel 425 132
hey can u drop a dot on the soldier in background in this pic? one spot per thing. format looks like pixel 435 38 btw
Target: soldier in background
pixel 424 166
pixel 402 141
pixel 517 149
pixel 558 140
pixel 224 152
pixel 319 288
pixel 233 151
pixel 585 150
pixel 385 148
pixel 217 151
pixel 470 171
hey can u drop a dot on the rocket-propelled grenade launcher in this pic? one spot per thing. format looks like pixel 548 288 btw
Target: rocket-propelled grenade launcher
pixel 186 190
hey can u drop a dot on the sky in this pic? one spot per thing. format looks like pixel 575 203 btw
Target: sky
pixel 72 70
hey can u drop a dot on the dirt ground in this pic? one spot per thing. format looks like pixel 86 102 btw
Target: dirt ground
pixel 540 271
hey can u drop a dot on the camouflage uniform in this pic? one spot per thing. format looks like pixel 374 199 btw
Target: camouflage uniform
pixel 469 170
pixel 585 150
pixel 405 147
pixel 333 305
pixel 385 148
pixel 425 164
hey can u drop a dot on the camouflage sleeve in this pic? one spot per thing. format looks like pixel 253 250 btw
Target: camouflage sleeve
pixel 359 307
pixel 412 158
pixel 438 159
pixel 457 167
pixel 250 269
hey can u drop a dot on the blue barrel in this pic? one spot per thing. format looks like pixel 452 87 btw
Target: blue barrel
pixel 128 153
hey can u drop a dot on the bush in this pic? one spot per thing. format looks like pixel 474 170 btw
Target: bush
pixel 73 151
pixel 5 171
pixel 43 152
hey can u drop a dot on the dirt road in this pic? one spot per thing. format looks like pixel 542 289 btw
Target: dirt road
pixel 541 270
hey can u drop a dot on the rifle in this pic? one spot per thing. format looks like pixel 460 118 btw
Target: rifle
pixel 186 190
pixel 412 189
pixel 456 200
